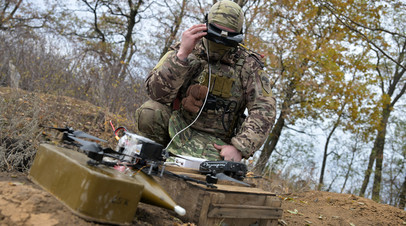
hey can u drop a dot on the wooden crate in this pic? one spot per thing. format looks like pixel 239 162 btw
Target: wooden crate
pixel 228 204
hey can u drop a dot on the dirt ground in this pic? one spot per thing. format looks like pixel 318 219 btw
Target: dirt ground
pixel 324 208
pixel 24 203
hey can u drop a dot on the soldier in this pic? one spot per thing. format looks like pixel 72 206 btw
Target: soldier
pixel 200 89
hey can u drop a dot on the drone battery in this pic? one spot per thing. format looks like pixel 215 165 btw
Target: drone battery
pixel 132 144
pixel 96 193
pixel 152 151
pixel 189 162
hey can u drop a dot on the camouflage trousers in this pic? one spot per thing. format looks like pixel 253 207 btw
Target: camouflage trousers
pixel 158 122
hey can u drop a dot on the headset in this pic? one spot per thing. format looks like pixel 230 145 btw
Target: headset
pixel 223 37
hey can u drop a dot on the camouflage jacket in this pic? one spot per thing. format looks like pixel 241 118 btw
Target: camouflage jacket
pixel 237 82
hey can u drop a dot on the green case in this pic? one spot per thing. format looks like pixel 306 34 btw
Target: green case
pixel 97 193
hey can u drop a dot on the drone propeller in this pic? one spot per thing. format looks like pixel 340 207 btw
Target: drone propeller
pixel 222 176
pixel 82 134
pixel 87 145
pixel 95 151
pixel 76 133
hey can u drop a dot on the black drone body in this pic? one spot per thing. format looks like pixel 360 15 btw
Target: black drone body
pixel 96 152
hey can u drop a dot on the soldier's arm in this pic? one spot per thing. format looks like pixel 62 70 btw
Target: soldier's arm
pixel 164 81
pixel 262 111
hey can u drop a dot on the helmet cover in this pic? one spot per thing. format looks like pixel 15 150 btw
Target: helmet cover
pixel 228 14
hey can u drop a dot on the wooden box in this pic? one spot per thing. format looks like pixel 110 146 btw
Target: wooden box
pixel 228 204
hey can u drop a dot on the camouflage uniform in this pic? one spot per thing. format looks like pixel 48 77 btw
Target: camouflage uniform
pixel 237 82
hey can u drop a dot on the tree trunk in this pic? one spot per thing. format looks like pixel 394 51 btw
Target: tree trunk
pixel 275 134
pixel 126 57
pixel 270 145
pixel 402 196
pixel 368 172
pixel 347 174
pixel 380 144
pixel 323 165
pixel 177 21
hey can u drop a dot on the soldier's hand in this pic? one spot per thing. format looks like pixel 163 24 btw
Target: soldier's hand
pixel 195 95
pixel 229 152
pixel 189 39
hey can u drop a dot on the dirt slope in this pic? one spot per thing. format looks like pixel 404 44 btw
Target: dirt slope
pixel 24 203
pixel 325 208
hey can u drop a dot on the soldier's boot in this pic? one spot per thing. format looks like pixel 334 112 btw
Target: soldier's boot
pixel 152 121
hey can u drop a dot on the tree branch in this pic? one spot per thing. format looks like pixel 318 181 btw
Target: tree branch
pixel 329 8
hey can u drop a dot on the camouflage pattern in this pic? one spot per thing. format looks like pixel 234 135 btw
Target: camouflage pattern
pixel 237 78
pixel 216 51
pixel 228 14
pixel 191 142
pixel 152 121
pixel 237 82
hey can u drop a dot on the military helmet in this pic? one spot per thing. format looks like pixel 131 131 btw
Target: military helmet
pixel 226 13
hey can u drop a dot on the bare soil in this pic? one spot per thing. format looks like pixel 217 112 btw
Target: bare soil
pixel 24 203
pixel 325 208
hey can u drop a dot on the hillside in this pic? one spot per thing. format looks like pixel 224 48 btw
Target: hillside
pixel 24 203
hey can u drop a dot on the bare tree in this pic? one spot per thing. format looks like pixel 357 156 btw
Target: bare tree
pixel 16 14
pixel 177 17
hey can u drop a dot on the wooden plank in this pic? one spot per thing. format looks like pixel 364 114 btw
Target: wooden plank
pixel 273 201
pixel 177 169
pixel 244 212
pixel 185 195
pixel 235 189
pixel 204 210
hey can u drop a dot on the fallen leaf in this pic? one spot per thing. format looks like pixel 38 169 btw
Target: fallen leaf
pixel 15 183
pixel 288 198
pixel 293 212
pixel 282 222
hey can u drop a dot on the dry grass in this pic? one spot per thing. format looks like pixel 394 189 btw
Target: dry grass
pixel 19 131
pixel 22 115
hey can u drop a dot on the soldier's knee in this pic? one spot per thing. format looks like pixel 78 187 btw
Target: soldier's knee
pixel 152 111
pixel 152 119
pixel 145 118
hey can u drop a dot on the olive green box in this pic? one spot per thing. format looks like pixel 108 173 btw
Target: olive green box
pixel 97 193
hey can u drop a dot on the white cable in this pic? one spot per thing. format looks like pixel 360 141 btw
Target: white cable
pixel 204 103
